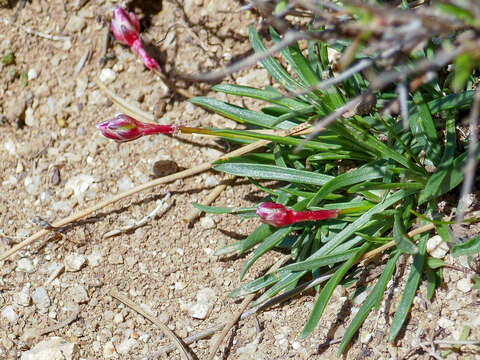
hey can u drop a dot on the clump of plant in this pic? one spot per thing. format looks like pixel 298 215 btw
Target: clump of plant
pixel 377 85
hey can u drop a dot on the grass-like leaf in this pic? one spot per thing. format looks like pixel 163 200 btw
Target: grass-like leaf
pixel 401 239
pixel 410 290
pixel 327 291
pixel 470 247
pixel 373 299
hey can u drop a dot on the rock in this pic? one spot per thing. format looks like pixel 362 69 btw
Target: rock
pixel 54 348
pixel 9 313
pixel 205 299
pixel 125 183
pixel 109 350
pixel 131 261
pixel 126 346
pixel 14 109
pixel 42 91
pixel 25 265
pixel 79 185
pixel 465 285
pixel 436 247
pixel 96 97
pixel 23 297
pixel 446 323
pixel 256 78
pixel 107 76
pixel 40 298
pixel 211 181
pixel 74 262
pixel 77 294
pixel 29 118
pixel 32 74
pixel 118 319
pixel 115 259
pixel 207 222
pixel 164 168
pixel 95 258
pixel 75 24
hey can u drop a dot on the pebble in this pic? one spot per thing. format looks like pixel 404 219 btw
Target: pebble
pixel 54 348
pixel 205 299
pixel 95 258
pixel 32 74
pixel 40 298
pixel 207 222
pixel 131 260
pixel 14 109
pixel 109 350
pixel 126 346
pixel 23 297
pixel 115 259
pixel 118 319
pixel 436 247
pixel 42 91
pixel 445 323
pixel 257 78
pixel 9 313
pixel 107 76
pixel 75 24
pixel 125 183
pixel 96 97
pixel 29 118
pixel 77 293
pixel 211 181
pixel 74 262
pixel 164 167
pixel 25 265
pixel 465 285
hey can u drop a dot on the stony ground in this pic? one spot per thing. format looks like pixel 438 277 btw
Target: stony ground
pixel 54 163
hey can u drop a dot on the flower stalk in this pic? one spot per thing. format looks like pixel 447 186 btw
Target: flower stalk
pixel 279 215
pixel 126 29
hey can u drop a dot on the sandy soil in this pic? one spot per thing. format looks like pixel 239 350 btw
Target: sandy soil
pixel 54 162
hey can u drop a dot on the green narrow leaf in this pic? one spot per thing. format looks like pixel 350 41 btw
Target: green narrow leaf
pixel 444 231
pixel 274 173
pixel 327 291
pixel 401 240
pixel 213 209
pixel 432 282
pixel 283 283
pixel 271 65
pixel 266 245
pixel 373 299
pixel 255 285
pixel 241 246
pixel 410 290
pixel 239 114
pixel 470 247
pixel 361 174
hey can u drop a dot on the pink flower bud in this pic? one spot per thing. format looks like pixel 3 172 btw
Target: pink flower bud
pixel 278 215
pixel 124 128
pixel 125 26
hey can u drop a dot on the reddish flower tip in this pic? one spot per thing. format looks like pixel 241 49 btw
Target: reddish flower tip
pixel 278 215
pixel 124 128
pixel 125 26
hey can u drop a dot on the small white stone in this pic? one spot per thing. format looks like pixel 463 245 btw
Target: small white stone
pixel 199 311
pixel 211 181
pixel 118 319
pixel 32 74
pixel 23 297
pixel 445 323
pixel 465 285
pixel 25 265
pixel 125 183
pixel 96 97
pixel 115 259
pixel 366 337
pixel 40 298
pixel 126 346
pixel 207 222
pixel 95 258
pixel 107 76
pixel 77 293
pixel 74 262
pixel 29 118
pixel 75 24
pixel 109 350
pixel 205 300
pixel 436 247
pixel 9 313
pixel 256 78
pixel 55 348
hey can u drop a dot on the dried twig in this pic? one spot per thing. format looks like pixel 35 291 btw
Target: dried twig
pixel 59 325
pixel 44 35
pixel 161 206
pixel 168 333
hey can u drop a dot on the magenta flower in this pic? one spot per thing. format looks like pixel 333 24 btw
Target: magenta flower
pixel 126 29
pixel 124 128
pixel 278 215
